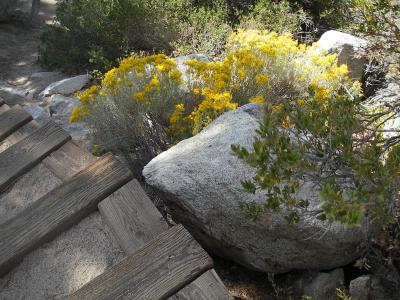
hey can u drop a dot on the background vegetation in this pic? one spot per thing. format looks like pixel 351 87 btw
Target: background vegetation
pixel 94 34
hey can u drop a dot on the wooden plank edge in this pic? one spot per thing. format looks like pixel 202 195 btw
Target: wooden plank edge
pixel 23 118
pixel 136 222
pixel 7 179
pixel 9 259
pixel 177 257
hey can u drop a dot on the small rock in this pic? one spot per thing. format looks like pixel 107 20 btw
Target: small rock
pixel 62 106
pixel 360 288
pixel 58 109
pixel 324 285
pixel 37 82
pixel 348 49
pixel 180 62
pixel 14 94
pixel 39 113
pixel 66 86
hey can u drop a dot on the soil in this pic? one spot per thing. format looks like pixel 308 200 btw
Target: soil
pixel 20 43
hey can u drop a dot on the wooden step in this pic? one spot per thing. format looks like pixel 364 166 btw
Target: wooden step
pixel 134 221
pixel 59 209
pixel 11 120
pixel 25 154
pixel 157 270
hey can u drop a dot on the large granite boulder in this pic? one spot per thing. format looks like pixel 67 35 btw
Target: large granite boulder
pixel 349 50
pixel 199 178
pixel 23 10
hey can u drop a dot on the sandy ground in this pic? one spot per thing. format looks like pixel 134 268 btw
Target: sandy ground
pixel 65 264
pixel 19 46
pixel 19 54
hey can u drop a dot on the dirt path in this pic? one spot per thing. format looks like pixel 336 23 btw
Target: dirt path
pixel 19 52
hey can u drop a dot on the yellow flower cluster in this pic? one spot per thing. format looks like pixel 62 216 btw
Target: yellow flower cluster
pixel 141 77
pixel 259 66
pixel 262 65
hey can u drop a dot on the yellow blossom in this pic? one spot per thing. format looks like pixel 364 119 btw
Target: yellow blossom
pixel 139 96
pixel 262 79
pixel 258 99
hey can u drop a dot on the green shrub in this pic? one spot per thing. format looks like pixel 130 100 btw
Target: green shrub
pixel 93 34
pixel 203 29
pixel 267 15
pixel 331 13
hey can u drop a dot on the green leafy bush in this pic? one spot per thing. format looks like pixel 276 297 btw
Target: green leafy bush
pixel 278 17
pixel 94 34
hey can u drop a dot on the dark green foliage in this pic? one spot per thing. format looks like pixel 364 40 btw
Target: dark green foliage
pixel 355 168
pixel 94 34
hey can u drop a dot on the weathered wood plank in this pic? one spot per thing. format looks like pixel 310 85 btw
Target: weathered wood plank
pixel 132 217
pixel 156 271
pixel 68 160
pixel 207 287
pixel 59 209
pixel 135 221
pixel 11 120
pixel 64 162
pixel 25 154
pixel 19 135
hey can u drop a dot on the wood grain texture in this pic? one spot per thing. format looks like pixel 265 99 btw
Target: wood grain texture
pixel 59 209
pixel 156 271
pixel 135 220
pixel 64 162
pixel 19 135
pixel 207 287
pixel 68 160
pixel 25 154
pixel 132 217
pixel 12 119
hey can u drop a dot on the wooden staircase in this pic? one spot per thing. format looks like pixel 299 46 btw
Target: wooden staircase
pixel 160 262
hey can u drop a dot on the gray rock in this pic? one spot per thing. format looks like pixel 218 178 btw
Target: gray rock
pixel 37 82
pixel 349 50
pixel 390 95
pixel 66 86
pixel 360 288
pixel 200 180
pixel 180 62
pixel 62 106
pixel 23 10
pixel 39 113
pixel 14 94
pixel 323 286
pixel 58 109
